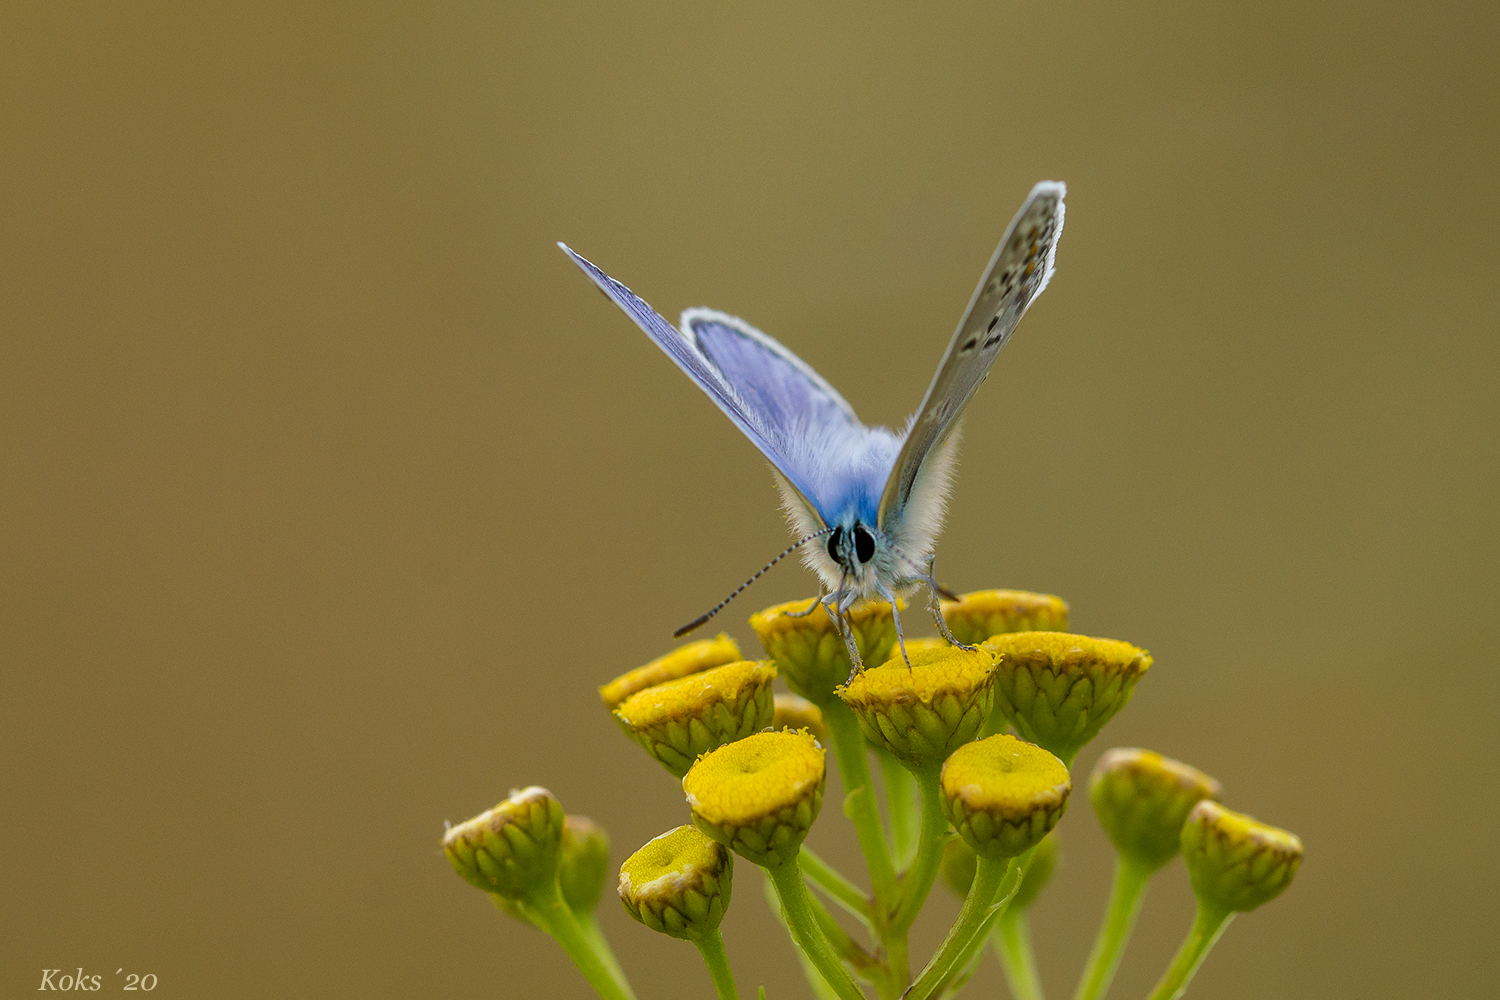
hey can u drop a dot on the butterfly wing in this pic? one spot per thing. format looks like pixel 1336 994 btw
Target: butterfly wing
pixel 1016 275
pixel 786 409
pixel 769 378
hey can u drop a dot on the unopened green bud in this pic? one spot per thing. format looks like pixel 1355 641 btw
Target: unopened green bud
pixel 1235 862
pixel 795 712
pixel 678 884
pixel 689 658
pixel 976 616
pixel 959 863
pixel 512 849
pixel 809 651
pixel 958 866
pixel 1142 800
pixel 584 863
pixel 679 720
pixel 1038 874
pixel 759 796
pixel 1059 689
pixel 921 713
pixel 1003 795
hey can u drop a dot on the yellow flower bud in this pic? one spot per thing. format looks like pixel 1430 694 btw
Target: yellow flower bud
pixel 1058 689
pixel 689 658
pixel 795 712
pixel 759 796
pixel 679 720
pixel 678 884
pixel 976 616
pixel 808 650
pixel 1142 800
pixel 1236 862
pixel 512 849
pixel 1003 795
pixel 923 712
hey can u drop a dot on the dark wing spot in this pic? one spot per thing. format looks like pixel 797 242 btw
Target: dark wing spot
pixel 993 320
pixel 969 344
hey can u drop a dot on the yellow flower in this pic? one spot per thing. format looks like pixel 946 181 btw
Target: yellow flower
pixel 679 720
pixel 1142 800
pixel 1003 795
pixel 808 650
pixel 923 712
pixel 513 848
pixel 689 658
pixel 678 884
pixel 1058 689
pixel 1236 862
pixel 759 796
pixel 795 712
pixel 976 616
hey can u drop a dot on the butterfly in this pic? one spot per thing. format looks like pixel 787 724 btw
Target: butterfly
pixel 874 499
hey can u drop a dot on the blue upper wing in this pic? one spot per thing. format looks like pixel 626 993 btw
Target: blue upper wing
pixel 797 420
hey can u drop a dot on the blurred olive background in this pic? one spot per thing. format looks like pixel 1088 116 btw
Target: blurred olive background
pixel 331 489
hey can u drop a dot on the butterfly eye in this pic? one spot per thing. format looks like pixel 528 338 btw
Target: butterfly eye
pixel 833 543
pixel 864 545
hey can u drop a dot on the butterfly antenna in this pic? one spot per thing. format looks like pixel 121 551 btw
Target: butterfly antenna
pixel 703 618
pixel 942 590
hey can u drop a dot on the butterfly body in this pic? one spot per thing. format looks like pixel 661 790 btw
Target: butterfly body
pixel 872 499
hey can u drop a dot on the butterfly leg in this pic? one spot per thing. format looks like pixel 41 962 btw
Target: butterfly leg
pixel 896 616
pixel 937 609
pixel 809 609
pixel 838 604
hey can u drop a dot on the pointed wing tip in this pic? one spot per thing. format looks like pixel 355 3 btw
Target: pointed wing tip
pixel 1050 187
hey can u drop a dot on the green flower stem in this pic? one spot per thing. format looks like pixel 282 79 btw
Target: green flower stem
pixel 801 920
pixel 859 801
pixel 1125 899
pixel 553 916
pixel 835 885
pixel 901 801
pixel 917 882
pixel 1012 942
pixel 844 946
pixel 821 989
pixel 992 879
pixel 968 959
pixel 595 937
pixel 1208 925
pixel 717 960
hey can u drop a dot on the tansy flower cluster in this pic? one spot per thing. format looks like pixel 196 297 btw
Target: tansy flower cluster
pixel 973 744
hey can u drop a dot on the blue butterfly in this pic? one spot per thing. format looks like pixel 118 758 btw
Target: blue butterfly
pixel 874 497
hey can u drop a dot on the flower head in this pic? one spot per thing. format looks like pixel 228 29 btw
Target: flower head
pixel 689 658
pixel 759 796
pixel 678 884
pixel 1142 800
pixel 676 721
pixel 1003 795
pixel 512 849
pixel 923 712
pixel 809 651
pixel 1058 689
pixel 976 616
pixel 1234 861
pixel 795 712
